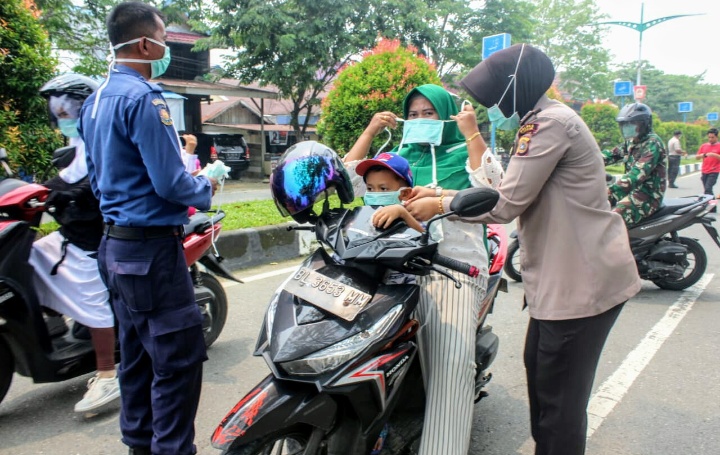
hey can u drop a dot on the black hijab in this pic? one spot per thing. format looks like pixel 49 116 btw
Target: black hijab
pixel 489 79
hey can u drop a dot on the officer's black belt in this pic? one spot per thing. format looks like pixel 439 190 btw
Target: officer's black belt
pixel 142 233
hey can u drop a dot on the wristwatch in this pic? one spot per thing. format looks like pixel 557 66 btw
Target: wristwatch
pixel 438 191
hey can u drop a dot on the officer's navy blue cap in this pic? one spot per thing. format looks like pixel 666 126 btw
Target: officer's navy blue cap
pixel 392 161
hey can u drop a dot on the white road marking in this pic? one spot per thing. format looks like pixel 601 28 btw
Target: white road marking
pixel 612 391
pixel 262 276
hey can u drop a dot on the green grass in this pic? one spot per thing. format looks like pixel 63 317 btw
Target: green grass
pixel 242 215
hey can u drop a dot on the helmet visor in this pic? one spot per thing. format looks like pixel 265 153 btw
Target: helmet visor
pixel 301 183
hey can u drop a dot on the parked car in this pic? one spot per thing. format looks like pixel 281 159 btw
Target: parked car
pixel 232 150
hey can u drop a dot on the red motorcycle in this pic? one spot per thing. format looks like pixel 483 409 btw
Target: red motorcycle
pixel 28 345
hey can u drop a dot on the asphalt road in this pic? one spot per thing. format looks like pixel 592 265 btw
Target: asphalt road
pixel 656 391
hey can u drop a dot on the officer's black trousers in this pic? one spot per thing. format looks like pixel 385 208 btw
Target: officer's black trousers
pixel 560 360
pixel 673 168
pixel 161 342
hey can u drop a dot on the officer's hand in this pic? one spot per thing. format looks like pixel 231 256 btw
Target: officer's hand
pixel 213 184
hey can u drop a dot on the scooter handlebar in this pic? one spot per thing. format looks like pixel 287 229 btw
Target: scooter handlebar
pixel 458 266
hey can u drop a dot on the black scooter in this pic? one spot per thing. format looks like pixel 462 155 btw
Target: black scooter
pixel 662 255
pixel 341 345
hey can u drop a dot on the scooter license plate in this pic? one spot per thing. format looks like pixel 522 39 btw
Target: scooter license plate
pixel 340 299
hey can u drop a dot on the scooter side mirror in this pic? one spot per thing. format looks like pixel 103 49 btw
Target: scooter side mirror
pixel 474 201
pixel 63 156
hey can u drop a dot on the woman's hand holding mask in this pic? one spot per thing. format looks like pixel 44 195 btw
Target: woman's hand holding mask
pixel 380 121
pixel 466 121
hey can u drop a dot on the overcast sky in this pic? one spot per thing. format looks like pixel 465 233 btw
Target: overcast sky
pixel 686 45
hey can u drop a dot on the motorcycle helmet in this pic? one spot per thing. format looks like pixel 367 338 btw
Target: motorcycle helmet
pixel 638 114
pixel 305 174
pixel 66 94
pixel 73 84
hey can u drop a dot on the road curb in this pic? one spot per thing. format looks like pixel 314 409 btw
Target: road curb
pixel 264 245
pixel 689 168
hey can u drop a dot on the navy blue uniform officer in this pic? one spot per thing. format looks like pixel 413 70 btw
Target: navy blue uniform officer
pixel 137 173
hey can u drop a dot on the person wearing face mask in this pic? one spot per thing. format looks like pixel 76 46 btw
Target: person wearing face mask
pixel 709 153
pixel 578 269
pixel 639 192
pixel 137 172
pixel 67 279
pixel 445 152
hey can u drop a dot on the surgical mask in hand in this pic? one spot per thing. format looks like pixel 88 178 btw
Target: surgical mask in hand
pixel 382 198
pixel 216 170
pixel 68 127
pixel 423 131
pixel 629 130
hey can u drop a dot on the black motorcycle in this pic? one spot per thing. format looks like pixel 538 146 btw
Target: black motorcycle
pixel 662 256
pixel 341 345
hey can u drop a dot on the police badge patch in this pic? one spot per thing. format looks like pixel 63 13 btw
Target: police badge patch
pixel 165 117
pixel 523 146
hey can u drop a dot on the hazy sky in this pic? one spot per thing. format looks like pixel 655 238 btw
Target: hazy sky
pixel 686 45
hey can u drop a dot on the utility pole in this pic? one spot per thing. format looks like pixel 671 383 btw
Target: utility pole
pixel 641 27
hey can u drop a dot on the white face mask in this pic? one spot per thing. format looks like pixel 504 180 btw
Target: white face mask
pixel 495 115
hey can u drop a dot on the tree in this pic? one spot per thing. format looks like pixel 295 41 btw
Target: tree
pixel 378 83
pixel 299 47
pixel 665 91
pixel 565 31
pixel 25 65
pixel 78 33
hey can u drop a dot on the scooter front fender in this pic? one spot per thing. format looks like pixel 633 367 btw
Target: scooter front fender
pixel 271 406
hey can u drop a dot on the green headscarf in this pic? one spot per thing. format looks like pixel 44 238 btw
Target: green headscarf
pixel 450 156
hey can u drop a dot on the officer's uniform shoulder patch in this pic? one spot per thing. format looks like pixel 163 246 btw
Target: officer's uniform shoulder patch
pixel 523 146
pixel 528 128
pixel 165 117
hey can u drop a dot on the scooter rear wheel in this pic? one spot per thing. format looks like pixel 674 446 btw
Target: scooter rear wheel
pixel 512 262
pixel 214 312
pixel 7 369
pixel 698 263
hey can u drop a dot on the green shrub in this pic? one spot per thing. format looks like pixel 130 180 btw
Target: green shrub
pixel 25 65
pixel 377 83
pixel 600 118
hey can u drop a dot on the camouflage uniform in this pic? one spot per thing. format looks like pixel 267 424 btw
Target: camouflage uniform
pixel 639 192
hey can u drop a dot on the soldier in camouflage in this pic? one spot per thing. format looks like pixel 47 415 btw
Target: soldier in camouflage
pixel 639 192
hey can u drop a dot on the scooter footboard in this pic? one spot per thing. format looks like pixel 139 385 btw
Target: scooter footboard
pixel 273 404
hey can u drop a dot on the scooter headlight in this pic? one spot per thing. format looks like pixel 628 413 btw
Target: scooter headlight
pixel 330 358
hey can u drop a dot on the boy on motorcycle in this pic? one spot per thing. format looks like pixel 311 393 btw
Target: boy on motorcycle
pixel 386 176
pixel 639 192
pixel 67 279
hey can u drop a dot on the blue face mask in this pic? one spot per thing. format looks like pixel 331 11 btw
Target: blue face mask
pixel 157 67
pixel 68 127
pixel 382 198
pixel 629 130
pixel 423 131
pixel 495 115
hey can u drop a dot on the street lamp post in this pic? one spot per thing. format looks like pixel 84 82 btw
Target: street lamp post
pixel 641 27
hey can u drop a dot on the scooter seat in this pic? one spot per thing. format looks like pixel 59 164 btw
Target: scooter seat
pixel 7 185
pixel 670 206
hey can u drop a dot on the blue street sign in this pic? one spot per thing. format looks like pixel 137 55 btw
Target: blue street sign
pixel 712 117
pixel 685 107
pixel 494 43
pixel 622 88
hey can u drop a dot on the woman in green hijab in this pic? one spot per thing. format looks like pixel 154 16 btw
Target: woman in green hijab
pixel 443 156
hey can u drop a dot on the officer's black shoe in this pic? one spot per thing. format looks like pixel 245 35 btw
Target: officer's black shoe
pixel 674 186
pixel 140 451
